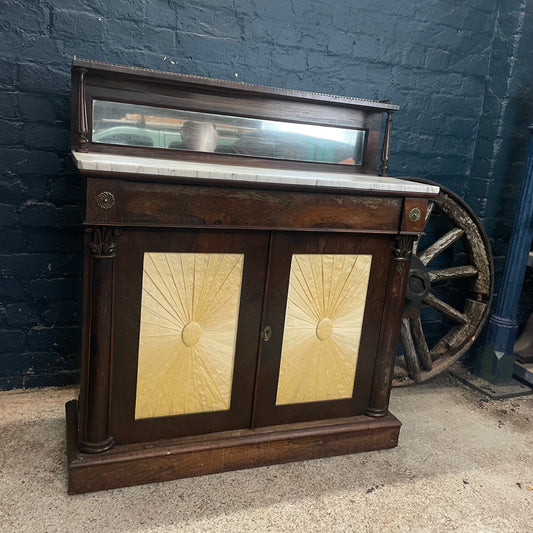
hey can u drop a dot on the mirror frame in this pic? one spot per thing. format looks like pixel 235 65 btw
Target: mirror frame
pixel 95 80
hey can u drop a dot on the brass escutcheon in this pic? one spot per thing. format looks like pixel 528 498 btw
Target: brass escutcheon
pixel 267 333
pixel 415 214
pixel 105 200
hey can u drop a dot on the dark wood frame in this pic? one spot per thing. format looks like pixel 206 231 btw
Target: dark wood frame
pixel 136 464
pixel 129 214
pixel 92 79
pixel 128 284
pixel 283 246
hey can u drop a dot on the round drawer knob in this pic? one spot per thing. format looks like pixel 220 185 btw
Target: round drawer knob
pixel 105 200
pixel 415 214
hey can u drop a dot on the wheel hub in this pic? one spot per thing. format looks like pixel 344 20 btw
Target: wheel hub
pixel 418 284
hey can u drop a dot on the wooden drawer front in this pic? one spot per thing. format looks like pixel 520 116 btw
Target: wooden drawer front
pixel 157 204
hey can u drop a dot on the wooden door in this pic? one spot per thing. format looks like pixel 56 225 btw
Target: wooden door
pixel 320 329
pixel 186 326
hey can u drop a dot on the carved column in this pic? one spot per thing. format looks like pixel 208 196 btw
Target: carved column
pixel 93 425
pixel 390 327
pixel 82 119
pixel 385 148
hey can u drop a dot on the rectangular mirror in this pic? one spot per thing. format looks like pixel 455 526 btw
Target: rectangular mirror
pixel 175 129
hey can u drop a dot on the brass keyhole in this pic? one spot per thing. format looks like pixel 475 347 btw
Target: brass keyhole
pixel 267 333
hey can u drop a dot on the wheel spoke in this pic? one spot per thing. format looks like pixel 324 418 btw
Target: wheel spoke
pixel 420 342
pixel 452 273
pixel 473 281
pixel 457 337
pixel 440 245
pixel 446 309
pixel 429 210
pixel 408 345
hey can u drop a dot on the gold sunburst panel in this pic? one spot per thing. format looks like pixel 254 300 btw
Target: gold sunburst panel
pixel 189 316
pixel 323 321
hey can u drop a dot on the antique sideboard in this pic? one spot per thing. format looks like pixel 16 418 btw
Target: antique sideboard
pixel 244 278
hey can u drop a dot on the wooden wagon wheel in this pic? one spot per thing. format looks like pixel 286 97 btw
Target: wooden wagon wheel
pixel 453 278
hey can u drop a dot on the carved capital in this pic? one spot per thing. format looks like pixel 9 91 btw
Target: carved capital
pixel 102 243
pixel 404 247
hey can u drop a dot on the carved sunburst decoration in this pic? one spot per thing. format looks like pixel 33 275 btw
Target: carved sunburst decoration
pixel 189 314
pixel 323 320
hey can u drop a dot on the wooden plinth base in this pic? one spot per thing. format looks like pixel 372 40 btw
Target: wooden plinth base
pixel 135 464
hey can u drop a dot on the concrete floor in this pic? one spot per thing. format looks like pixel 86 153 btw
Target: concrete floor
pixel 464 463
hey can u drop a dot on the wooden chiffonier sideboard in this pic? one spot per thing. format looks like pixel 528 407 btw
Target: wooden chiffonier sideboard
pixel 244 278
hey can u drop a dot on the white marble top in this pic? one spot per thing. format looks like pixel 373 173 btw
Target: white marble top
pixel 187 169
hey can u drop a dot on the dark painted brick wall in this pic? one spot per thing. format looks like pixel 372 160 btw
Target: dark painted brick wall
pixel 460 70
pixel 493 185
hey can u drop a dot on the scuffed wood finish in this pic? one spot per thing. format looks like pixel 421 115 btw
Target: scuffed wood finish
pixel 422 350
pixel 414 215
pixel 129 465
pixel 446 309
pixel 390 328
pixel 202 206
pixel 440 245
pixel 94 432
pixel 454 339
pixel 408 345
pixel 453 273
pixel 476 245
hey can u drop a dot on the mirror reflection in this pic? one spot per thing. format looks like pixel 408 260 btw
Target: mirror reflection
pixel 140 125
